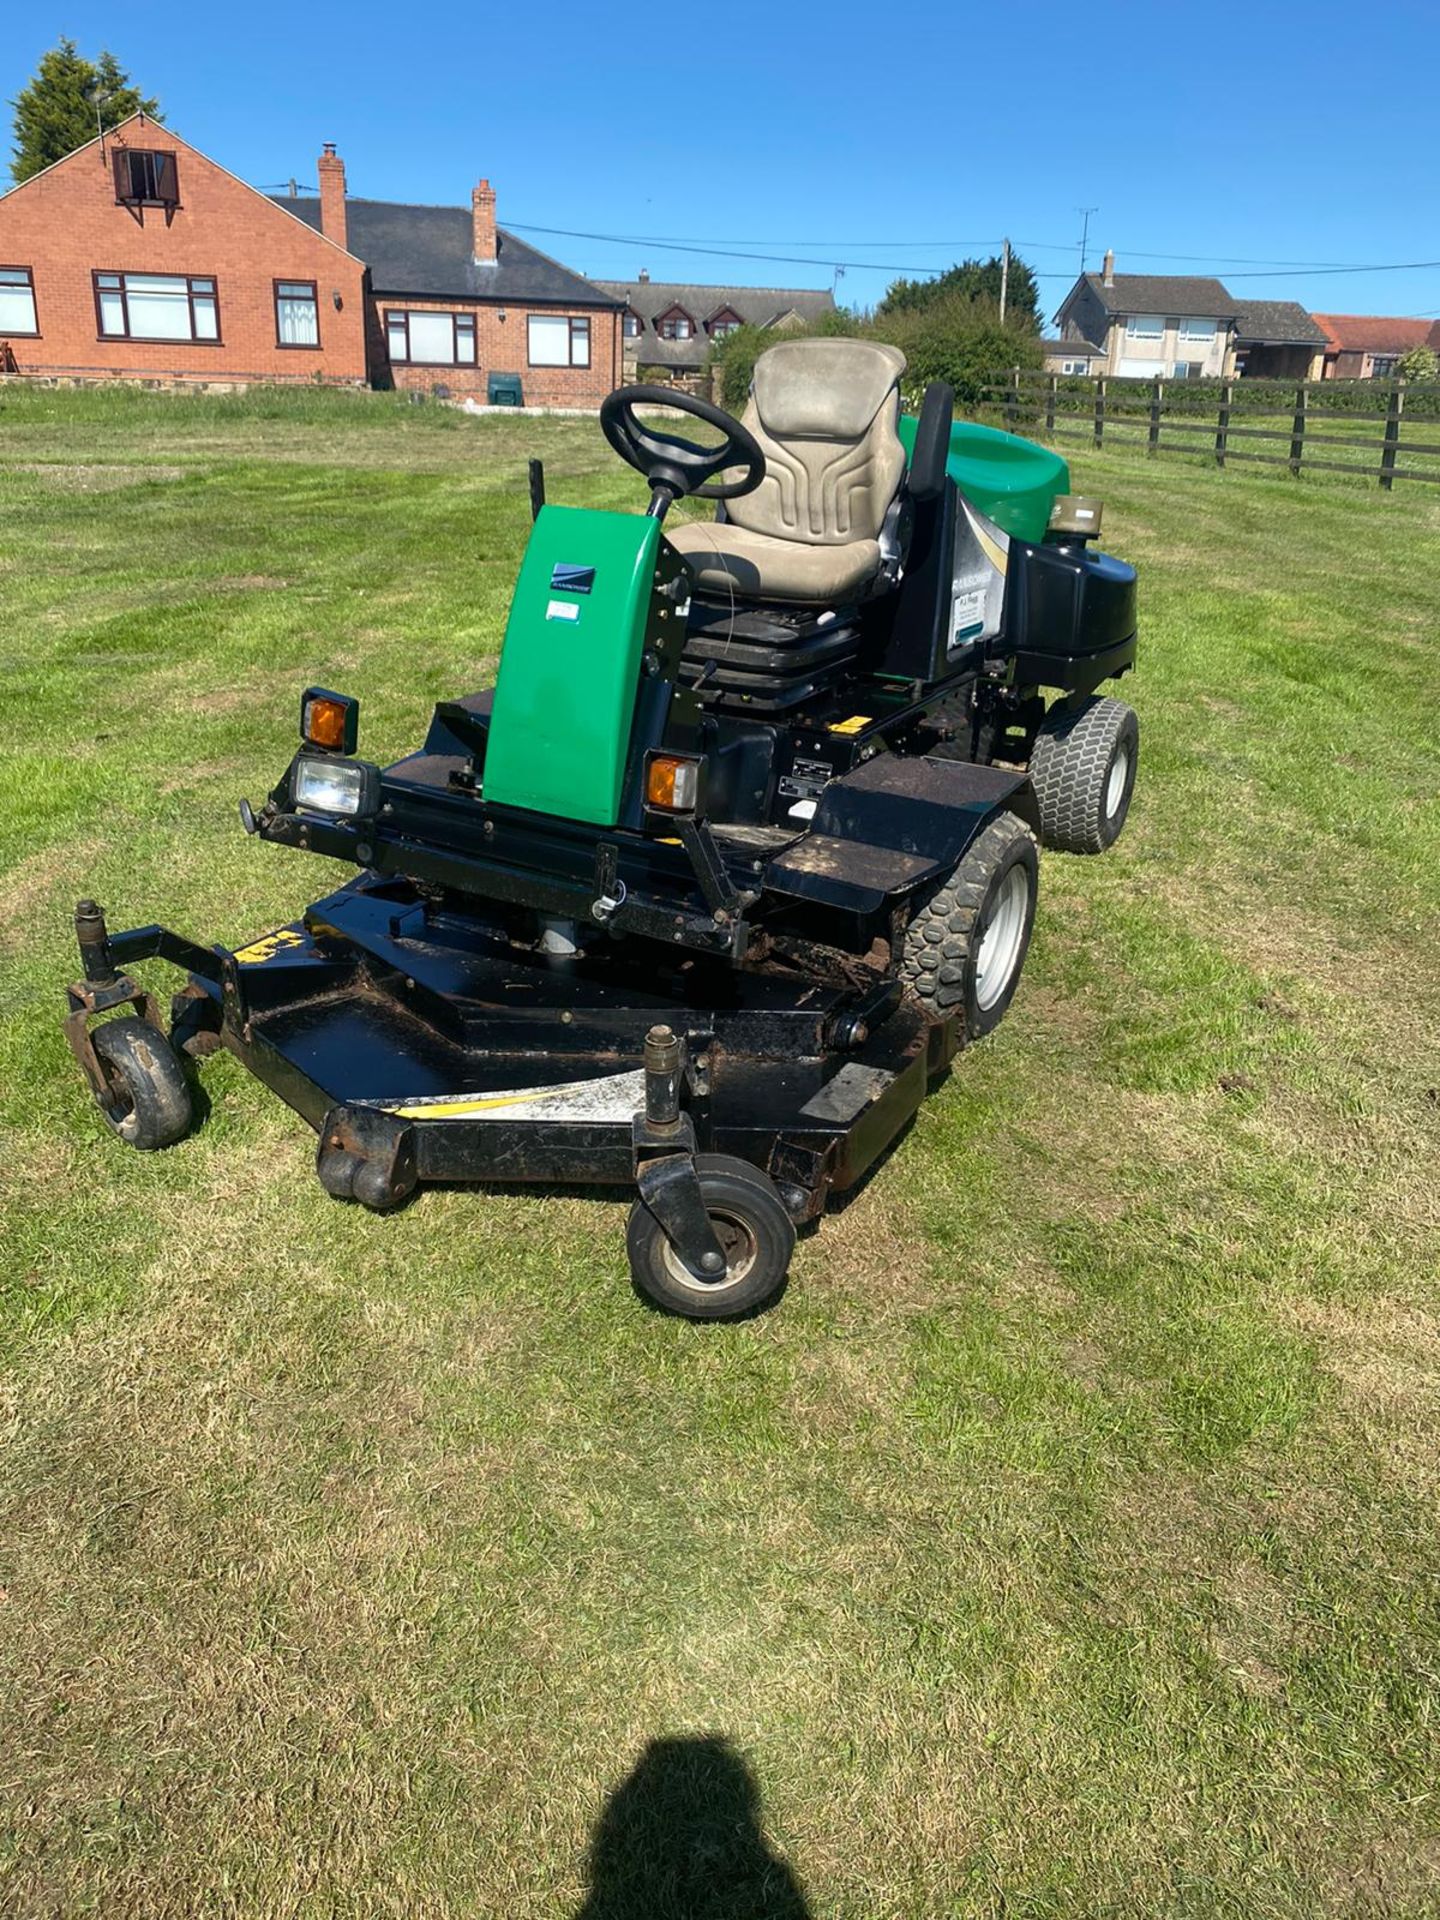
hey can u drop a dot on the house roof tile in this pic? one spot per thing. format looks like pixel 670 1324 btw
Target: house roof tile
pixel 1278 323
pixel 1179 293
pixel 429 252
pixel 1371 333
pixel 757 306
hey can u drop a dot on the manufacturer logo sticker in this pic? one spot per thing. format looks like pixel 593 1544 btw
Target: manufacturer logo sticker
pixel 565 579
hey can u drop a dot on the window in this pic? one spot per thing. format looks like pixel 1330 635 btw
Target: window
pixel 1182 370
pixel 632 326
pixel 431 339
pixel 17 301
pixel 297 314
pixel 1382 365
pixel 156 306
pixel 1075 366
pixel 145 179
pixel 1145 326
pixel 559 340
pixel 724 323
pixel 675 326
pixel 1201 332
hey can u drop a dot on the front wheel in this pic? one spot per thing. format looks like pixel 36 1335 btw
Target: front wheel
pixel 753 1228
pixel 968 936
pixel 1083 772
pixel 147 1097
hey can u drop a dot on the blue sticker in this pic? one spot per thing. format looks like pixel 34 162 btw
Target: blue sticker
pixel 565 579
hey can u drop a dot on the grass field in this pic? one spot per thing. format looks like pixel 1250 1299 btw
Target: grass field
pixel 1064 1544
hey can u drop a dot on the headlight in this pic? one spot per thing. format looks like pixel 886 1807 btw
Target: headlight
pixel 348 787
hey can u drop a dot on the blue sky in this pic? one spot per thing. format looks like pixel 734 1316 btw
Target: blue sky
pixel 1246 137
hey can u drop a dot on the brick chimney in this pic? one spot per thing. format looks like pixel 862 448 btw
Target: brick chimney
pixel 482 216
pixel 331 169
pixel 1107 278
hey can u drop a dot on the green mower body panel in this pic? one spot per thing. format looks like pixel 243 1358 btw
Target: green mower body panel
pixel 1011 481
pixel 560 727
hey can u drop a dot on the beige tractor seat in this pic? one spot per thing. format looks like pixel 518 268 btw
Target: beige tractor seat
pixel 726 558
pixel 824 413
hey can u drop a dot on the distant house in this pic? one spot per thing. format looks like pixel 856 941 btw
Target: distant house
pixel 1367 346
pixel 1277 340
pixel 454 298
pixel 139 258
pixel 1149 325
pixel 673 325
pixel 1073 356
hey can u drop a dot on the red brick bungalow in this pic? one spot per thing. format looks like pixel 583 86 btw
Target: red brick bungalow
pixel 138 258
pixel 454 299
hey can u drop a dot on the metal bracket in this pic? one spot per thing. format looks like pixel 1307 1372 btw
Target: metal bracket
pixel 368 1155
pixel 84 1001
pixel 670 1188
pixel 710 870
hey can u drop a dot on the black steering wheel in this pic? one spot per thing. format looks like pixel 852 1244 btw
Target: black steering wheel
pixel 677 468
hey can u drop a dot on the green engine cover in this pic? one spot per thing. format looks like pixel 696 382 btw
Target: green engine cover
pixel 1012 481
pixel 565 696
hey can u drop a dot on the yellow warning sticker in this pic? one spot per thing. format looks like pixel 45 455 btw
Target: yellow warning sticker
pixel 266 948
pixel 852 725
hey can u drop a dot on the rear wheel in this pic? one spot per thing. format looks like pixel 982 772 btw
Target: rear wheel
pixel 147 1097
pixel 1083 772
pixel 968 936
pixel 753 1228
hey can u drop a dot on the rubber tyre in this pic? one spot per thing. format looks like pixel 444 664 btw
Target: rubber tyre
pixel 1084 796
pixel 944 961
pixel 756 1231
pixel 147 1103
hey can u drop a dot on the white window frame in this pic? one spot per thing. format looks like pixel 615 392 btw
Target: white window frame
pixel 1197 331
pixel 1145 326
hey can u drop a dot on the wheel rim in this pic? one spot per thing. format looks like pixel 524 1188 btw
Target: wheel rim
pixel 1000 942
pixel 1115 785
pixel 117 1103
pixel 738 1243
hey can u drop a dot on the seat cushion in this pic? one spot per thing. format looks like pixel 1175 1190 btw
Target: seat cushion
pixel 727 558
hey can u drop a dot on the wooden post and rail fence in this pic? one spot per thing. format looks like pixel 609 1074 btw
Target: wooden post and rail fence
pixel 1225 419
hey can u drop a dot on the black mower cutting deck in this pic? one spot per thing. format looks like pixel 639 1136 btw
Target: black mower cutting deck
pixel 704 893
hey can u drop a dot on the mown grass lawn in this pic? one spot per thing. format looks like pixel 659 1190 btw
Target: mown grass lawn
pixel 1064 1544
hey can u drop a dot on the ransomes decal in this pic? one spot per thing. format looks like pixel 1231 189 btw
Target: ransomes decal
pixel 268 945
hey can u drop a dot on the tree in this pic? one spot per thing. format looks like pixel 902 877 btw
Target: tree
pixel 977 281
pixel 1419 363
pixel 57 111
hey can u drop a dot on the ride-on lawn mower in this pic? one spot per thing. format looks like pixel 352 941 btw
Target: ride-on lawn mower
pixel 735 855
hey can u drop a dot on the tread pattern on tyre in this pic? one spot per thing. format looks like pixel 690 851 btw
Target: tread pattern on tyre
pixel 1069 769
pixel 941 932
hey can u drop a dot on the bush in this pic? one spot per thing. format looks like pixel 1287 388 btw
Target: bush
pixel 959 340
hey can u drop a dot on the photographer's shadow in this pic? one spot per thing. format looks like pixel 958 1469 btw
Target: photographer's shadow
pixel 680 1839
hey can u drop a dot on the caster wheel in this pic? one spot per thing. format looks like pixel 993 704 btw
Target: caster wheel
pixel 752 1226
pixel 147 1097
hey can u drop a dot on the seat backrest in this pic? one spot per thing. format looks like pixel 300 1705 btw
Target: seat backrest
pixel 825 413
